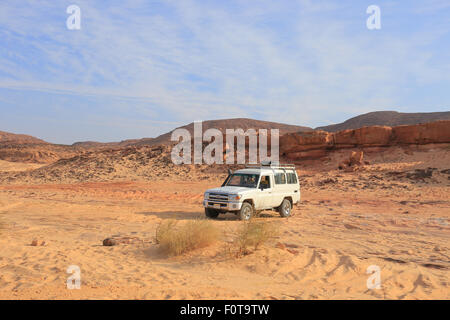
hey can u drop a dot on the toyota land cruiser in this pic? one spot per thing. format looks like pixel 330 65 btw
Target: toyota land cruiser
pixel 254 189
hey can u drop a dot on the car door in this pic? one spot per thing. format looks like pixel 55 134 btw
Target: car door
pixel 265 190
pixel 279 188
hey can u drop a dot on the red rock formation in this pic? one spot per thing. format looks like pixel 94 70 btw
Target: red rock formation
pixel 367 136
pixel 303 141
pixel 433 132
pixel 317 144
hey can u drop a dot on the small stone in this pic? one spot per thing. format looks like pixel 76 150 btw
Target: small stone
pixel 109 242
pixel 437 248
pixel 34 243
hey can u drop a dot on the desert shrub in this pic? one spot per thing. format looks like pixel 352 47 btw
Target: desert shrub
pixel 163 229
pixel 253 234
pixel 174 239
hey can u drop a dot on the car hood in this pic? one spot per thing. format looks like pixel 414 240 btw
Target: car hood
pixel 230 190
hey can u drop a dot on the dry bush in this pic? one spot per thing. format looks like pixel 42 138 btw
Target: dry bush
pixel 252 234
pixel 176 240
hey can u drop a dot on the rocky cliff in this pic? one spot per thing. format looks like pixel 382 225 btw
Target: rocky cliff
pixel 317 144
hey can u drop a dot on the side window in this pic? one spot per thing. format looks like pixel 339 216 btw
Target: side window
pixel 291 178
pixel 280 178
pixel 265 182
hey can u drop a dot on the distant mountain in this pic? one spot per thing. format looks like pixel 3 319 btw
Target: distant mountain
pixel 222 125
pixel 102 145
pixel 386 118
pixel 13 138
pixel 236 123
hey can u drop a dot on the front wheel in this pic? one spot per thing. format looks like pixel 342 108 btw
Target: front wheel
pixel 285 208
pixel 211 213
pixel 246 211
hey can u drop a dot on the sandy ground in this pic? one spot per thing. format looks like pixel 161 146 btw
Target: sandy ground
pixel 340 229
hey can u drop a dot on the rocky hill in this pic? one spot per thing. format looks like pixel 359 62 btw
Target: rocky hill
pixel 222 125
pixel 386 118
pixel 12 138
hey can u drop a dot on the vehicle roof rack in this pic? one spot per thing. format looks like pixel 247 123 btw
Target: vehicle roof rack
pixel 271 165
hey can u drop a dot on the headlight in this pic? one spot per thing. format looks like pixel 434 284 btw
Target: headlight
pixel 206 195
pixel 234 197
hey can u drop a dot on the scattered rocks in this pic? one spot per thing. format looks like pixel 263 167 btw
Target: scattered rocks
pixel 326 181
pixel 36 243
pixel 113 241
pixel 351 164
pixel 420 174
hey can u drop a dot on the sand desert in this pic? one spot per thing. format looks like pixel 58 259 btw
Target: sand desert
pixel 392 211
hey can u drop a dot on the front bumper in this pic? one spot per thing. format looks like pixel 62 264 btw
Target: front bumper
pixel 222 205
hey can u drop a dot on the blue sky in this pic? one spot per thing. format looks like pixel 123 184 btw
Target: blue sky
pixel 140 68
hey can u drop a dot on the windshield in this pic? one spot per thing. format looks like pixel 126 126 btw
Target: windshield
pixel 243 180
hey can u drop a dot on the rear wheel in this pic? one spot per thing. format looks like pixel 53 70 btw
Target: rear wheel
pixel 211 213
pixel 285 208
pixel 246 211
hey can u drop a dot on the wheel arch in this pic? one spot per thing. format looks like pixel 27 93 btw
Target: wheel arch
pixel 250 201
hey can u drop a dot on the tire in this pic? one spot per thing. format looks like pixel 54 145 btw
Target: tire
pixel 285 208
pixel 246 211
pixel 211 213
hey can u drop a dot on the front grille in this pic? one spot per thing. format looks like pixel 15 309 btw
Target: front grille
pixel 218 197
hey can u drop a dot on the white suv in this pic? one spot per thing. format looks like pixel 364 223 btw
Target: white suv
pixel 253 189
